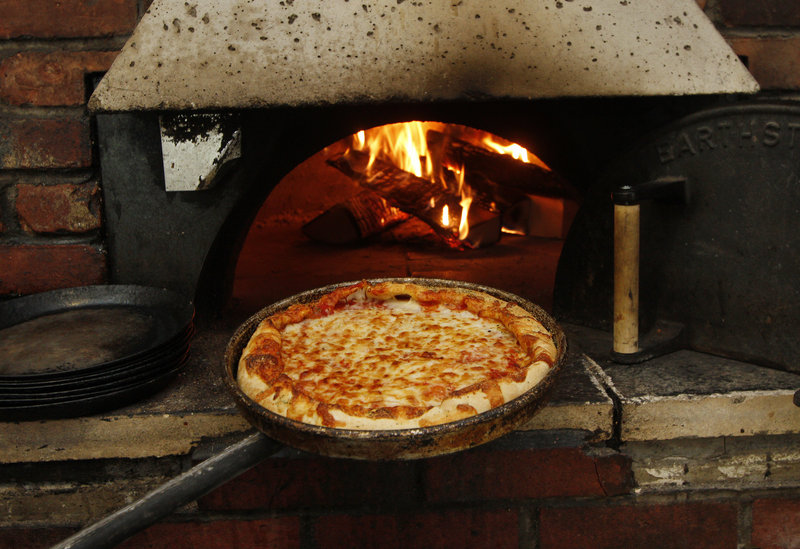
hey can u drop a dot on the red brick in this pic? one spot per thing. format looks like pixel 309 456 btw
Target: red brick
pixel 699 526
pixel 59 208
pixel 50 79
pixel 32 538
pixel 66 18
pixel 764 13
pixel 30 269
pixel 774 62
pixel 315 482
pixel 558 472
pixel 44 143
pixel 776 524
pixel 473 529
pixel 277 533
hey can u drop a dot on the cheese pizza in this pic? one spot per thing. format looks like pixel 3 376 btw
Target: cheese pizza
pixel 394 355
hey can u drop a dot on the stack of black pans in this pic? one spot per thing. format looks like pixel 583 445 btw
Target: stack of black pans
pixel 79 351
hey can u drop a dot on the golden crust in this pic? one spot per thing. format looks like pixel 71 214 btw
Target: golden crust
pixel 461 379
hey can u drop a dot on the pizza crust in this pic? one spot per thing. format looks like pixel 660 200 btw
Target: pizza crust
pixel 394 355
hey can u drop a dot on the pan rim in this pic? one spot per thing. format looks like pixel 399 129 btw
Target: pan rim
pixel 528 398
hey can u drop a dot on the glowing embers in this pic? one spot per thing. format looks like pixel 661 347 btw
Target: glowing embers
pixel 466 186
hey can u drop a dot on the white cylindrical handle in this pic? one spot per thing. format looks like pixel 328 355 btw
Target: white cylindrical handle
pixel 626 278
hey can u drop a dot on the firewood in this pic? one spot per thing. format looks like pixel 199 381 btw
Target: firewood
pixel 419 197
pixel 492 173
pixel 357 218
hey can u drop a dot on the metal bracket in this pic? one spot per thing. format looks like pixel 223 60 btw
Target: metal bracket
pixel 197 148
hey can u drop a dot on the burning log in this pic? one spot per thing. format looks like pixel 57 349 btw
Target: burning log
pixel 355 219
pixel 493 173
pixel 500 181
pixel 441 210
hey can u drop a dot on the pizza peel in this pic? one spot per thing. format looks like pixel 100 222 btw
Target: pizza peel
pixel 274 431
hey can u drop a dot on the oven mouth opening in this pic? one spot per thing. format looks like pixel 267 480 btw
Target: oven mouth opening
pixel 414 198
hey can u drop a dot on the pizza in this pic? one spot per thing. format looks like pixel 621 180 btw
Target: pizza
pixel 394 355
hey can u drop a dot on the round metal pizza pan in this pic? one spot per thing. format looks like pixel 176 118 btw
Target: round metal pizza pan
pixel 70 389
pixel 401 443
pixel 72 332
pixel 92 402
pixel 121 371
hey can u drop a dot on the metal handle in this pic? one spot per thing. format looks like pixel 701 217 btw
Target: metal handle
pixel 626 278
pixel 627 344
pixel 194 483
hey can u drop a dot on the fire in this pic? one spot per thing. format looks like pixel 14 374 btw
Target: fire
pixel 402 144
pixel 407 146
pixel 517 152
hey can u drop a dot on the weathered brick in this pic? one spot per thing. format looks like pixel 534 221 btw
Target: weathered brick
pixel 765 13
pixel 32 538
pixel 696 525
pixel 50 79
pixel 44 143
pixel 774 62
pixel 540 473
pixel 278 533
pixel 66 18
pixel 59 208
pixel 475 529
pixel 776 524
pixel 315 482
pixel 30 269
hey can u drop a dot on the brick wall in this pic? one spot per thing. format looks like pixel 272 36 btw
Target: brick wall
pixel 51 236
pixel 494 497
pixel 50 195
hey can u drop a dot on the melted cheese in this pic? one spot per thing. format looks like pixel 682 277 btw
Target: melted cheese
pixel 396 355
pixel 390 360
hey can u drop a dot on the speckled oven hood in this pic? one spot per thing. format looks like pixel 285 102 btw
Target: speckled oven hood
pixel 228 54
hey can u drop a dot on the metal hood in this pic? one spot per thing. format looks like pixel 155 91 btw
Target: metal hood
pixel 230 54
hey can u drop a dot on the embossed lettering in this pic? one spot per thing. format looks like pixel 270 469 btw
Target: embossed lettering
pixel 793 127
pixel 666 153
pixel 772 134
pixel 705 138
pixel 723 132
pixel 685 145
pixel 746 133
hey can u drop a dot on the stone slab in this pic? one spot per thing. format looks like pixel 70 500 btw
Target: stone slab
pixel 716 463
pixel 196 408
pixel 689 394
pixel 240 54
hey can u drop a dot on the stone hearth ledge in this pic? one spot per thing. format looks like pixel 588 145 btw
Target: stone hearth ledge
pixel 195 409
pixel 688 394
pixel 683 395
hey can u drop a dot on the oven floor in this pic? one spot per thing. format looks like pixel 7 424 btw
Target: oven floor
pixel 278 261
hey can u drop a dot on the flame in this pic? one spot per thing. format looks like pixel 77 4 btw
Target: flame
pixel 405 146
pixel 518 152
pixel 463 224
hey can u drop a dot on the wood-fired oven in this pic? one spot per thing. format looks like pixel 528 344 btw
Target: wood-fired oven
pixel 632 106
pixel 635 115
